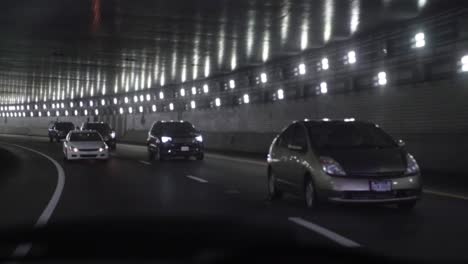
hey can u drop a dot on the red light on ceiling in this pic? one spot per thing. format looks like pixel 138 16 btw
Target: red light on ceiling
pixel 96 15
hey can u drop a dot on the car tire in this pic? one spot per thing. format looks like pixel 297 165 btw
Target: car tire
pixel 406 206
pixel 51 139
pixel 310 194
pixel 273 192
pixel 200 156
pixel 158 156
pixel 150 155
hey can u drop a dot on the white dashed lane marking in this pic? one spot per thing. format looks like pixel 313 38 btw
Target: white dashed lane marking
pixel 343 241
pixel 197 179
pixel 445 194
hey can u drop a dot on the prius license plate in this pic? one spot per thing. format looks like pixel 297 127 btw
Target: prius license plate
pixel 185 148
pixel 381 186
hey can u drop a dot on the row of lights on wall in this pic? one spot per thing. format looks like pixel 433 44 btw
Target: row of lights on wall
pixel 194 90
pixel 122 110
pixel 81 104
pixel 418 41
pixel 279 95
pixel 130 110
pixel 91 103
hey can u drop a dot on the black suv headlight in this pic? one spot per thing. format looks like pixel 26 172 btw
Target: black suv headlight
pixel 412 166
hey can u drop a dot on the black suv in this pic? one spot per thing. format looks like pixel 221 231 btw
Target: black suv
pixel 107 133
pixel 174 138
pixel 59 130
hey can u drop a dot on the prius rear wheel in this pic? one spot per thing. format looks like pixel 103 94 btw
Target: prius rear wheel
pixel 310 195
pixel 273 192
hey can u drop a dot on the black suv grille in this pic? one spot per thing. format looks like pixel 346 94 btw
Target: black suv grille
pixel 182 140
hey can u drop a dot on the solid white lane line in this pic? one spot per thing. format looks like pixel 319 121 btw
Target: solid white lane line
pixel 324 232
pixel 253 162
pixel 144 162
pixel 444 194
pixel 42 138
pixel 23 249
pixel 197 179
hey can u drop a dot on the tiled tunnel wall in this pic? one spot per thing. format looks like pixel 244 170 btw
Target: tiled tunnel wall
pixel 431 117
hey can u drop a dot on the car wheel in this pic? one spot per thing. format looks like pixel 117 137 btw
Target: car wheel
pixel 273 192
pixel 65 157
pixel 406 206
pixel 310 197
pixel 51 139
pixel 150 155
pixel 158 156
pixel 200 156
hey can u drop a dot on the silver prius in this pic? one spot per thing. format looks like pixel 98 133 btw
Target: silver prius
pixel 85 145
pixel 343 162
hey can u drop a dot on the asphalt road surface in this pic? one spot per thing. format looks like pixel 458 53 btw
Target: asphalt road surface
pixel 128 186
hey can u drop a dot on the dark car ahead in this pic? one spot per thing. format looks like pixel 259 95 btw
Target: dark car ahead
pixel 59 130
pixel 174 139
pixel 107 133
pixel 343 162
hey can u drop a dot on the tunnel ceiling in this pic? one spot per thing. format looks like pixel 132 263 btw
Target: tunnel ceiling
pixel 66 48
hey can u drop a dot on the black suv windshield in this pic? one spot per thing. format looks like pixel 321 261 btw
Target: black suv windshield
pixel 101 128
pixel 348 135
pixel 177 128
pixel 64 126
pixel 89 136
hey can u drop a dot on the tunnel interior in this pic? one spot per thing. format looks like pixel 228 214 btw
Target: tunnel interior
pixel 213 130
pixel 240 71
